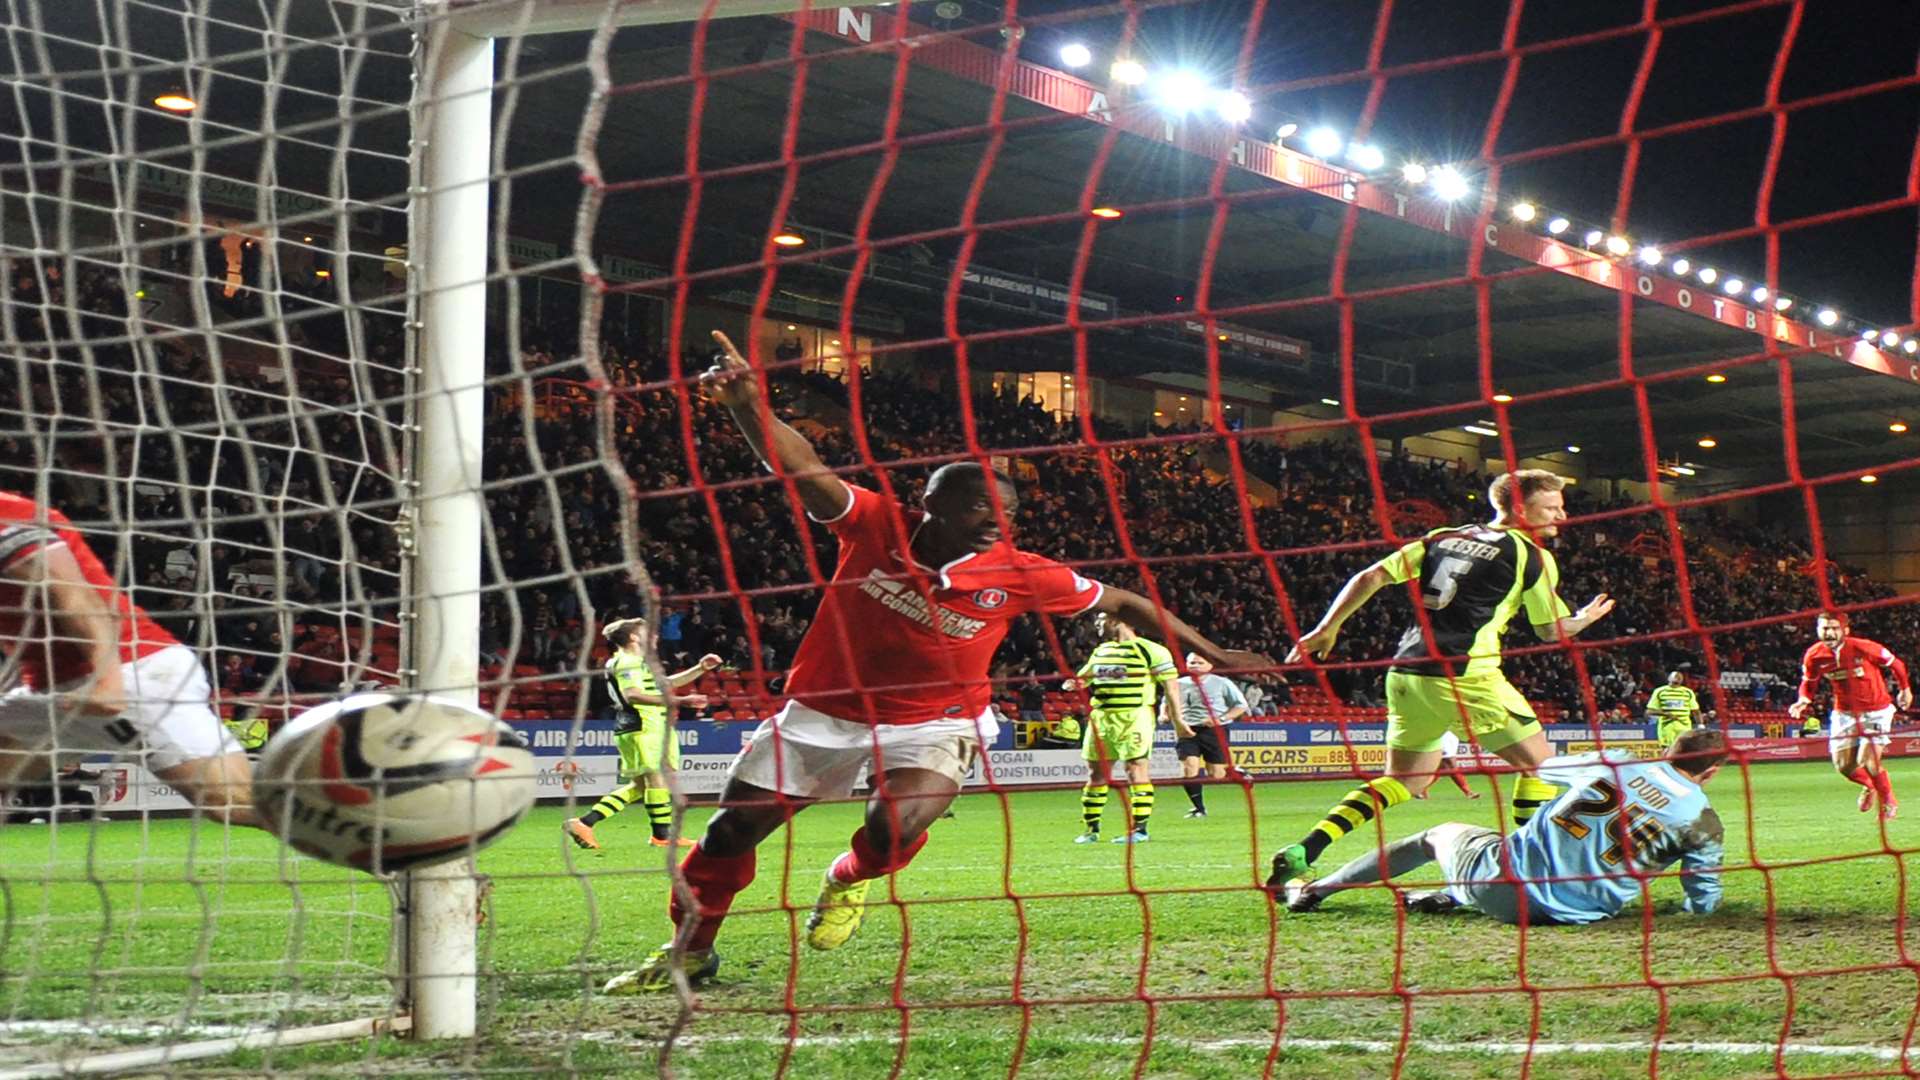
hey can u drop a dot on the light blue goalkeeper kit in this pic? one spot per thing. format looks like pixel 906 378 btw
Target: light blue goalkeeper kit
pixel 1618 817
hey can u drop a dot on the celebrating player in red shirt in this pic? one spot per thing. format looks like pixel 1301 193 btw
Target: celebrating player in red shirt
pixel 891 677
pixel 1862 713
pixel 89 673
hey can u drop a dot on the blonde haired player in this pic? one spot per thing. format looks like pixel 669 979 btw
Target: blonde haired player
pixel 1472 580
pixel 91 673
pixel 1862 713
pixel 644 738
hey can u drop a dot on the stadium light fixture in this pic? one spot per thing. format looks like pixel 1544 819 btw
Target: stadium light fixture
pixel 1716 377
pixel 1898 427
pixel 1890 339
pixel 1181 92
pixel 1413 173
pixel 1707 442
pixel 1075 55
pixel 1524 211
pixel 1286 131
pixel 1234 107
pixel 1594 236
pixel 176 102
pixel 1449 185
pixel 1869 335
pixel 1869 479
pixel 1734 286
pixel 1324 142
pixel 792 326
pixel 323 273
pixel 1335 402
pixel 1650 255
pixel 1573 449
pixel 787 238
pixel 1681 266
pixel 1559 225
pixel 1128 72
pixel 1782 303
pixel 1709 275
pixel 1828 316
pixel 1618 245
pixel 1911 346
pixel 1760 294
pixel 1482 431
pixel 1110 213
pixel 1503 398
pixel 1368 158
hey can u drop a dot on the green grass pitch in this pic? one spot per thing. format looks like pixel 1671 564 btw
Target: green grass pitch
pixel 135 926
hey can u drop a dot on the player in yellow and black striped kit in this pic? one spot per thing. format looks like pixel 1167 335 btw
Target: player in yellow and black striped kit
pixel 1127 678
pixel 1674 708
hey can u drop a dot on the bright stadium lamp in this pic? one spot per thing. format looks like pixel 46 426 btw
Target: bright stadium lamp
pixel 1760 294
pixel 1448 184
pixel 1593 237
pixel 1573 449
pixel 1681 266
pixel 1898 427
pixel 1181 92
pixel 1075 55
pixel 1366 157
pixel 1650 255
pixel 1618 245
pixel 1828 316
pixel 1234 107
pixel 1286 131
pixel 1128 72
pixel 1911 346
pixel 1559 225
pixel 1890 339
pixel 1734 286
pixel 1709 275
pixel 1324 142
pixel 175 101
pixel 1716 378
pixel 1413 173
pixel 1869 335
pixel 1524 211
pixel 1782 303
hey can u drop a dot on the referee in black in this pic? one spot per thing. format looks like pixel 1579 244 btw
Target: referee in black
pixel 1208 703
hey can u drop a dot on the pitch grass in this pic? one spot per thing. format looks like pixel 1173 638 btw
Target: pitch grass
pixel 128 924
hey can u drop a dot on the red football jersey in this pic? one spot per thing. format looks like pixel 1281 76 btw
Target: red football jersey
pixel 877 652
pixel 1853 670
pixel 24 529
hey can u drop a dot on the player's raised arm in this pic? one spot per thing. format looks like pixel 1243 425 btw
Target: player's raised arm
pixel 1547 612
pixel 79 614
pixel 730 381
pixel 1138 612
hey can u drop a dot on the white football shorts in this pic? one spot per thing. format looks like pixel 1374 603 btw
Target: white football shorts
pixel 168 721
pixel 1843 728
pixel 808 754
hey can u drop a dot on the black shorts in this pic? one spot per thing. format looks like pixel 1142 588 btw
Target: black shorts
pixel 1204 744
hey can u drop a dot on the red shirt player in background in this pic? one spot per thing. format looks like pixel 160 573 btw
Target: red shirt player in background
pixel 1862 713
pixel 891 675
pixel 88 673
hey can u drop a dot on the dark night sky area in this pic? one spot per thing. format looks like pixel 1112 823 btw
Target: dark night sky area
pixel 1687 185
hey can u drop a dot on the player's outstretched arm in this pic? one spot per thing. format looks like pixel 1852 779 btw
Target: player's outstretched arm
pixel 707 663
pixel 1138 612
pixel 731 382
pixel 79 613
pixel 1353 596
pixel 1571 626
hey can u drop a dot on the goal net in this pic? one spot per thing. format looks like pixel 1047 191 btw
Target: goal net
pixel 362 341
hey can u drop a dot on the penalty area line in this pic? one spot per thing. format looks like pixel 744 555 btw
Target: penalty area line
pixel 1372 1046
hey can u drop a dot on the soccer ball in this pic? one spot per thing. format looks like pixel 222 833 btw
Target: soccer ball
pixel 385 782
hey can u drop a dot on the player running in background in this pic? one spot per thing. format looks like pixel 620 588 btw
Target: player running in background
pixel 1579 860
pixel 892 674
pixel 1862 713
pixel 648 748
pixel 1674 708
pixel 1127 680
pixel 1471 581
pixel 1208 703
pixel 90 673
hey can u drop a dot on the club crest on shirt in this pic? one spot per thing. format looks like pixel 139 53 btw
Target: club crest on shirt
pixel 990 598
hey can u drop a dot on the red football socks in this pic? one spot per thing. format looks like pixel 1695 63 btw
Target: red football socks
pixel 866 861
pixel 714 883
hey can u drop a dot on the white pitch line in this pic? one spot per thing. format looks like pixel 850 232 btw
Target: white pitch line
pixel 1372 1046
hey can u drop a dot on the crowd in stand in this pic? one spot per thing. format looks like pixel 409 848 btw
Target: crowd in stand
pixel 237 543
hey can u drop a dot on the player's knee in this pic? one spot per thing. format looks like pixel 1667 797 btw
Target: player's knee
pixel 738 830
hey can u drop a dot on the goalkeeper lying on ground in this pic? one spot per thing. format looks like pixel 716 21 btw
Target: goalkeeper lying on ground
pixel 1577 860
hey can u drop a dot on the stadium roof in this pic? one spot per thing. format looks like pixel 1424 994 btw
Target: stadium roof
pixel 1554 341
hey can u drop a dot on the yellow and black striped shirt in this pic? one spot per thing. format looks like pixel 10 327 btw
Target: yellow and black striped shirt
pixel 624 671
pixel 1673 702
pixel 1123 675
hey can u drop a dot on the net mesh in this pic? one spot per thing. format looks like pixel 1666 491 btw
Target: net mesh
pixel 1225 371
